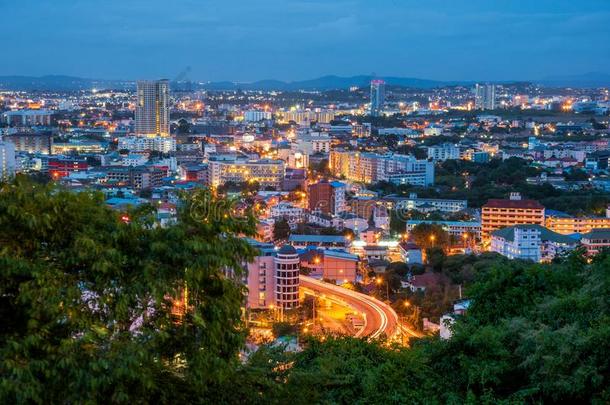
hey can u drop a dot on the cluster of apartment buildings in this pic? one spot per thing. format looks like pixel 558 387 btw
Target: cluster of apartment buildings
pixel 369 168
pixel 523 229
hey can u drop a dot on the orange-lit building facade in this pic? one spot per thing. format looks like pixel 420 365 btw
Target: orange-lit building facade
pixel 498 214
pixel 328 197
pixel 273 278
pixel 341 267
pixel 570 225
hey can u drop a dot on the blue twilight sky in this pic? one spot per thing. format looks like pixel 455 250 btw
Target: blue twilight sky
pixel 247 40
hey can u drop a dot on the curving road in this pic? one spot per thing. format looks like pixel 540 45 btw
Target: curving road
pixel 380 318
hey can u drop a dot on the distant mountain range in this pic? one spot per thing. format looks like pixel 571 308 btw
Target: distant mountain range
pixel 59 82
pixel 327 83
pixel 592 79
pixel 63 83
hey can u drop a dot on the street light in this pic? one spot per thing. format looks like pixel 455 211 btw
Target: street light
pixel 379 280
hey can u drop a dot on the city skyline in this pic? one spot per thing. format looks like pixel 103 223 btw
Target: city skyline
pixel 305 201
pixel 298 40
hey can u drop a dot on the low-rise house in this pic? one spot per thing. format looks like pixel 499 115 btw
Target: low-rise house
pixel 446 325
pixel 596 240
pixel 286 210
pixel 375 252
pixel 264 230
pixel 321 219
pixel 410 253
pixel 353 222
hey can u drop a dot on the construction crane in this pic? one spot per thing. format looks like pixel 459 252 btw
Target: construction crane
pixel 183 78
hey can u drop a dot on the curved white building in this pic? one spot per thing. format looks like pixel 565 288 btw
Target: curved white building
pixel 287 268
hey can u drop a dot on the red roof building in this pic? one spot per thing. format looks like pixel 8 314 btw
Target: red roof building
pixel 498 214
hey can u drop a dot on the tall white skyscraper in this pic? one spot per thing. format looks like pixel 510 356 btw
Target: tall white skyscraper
pixel 152 109
pixel 377 97
pixel 7 159
pixel 485 97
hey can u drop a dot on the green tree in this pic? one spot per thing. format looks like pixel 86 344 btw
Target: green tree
pixel 184 127
pixel 400 268
pixel 346 370
pixel 576 175
pixel 430 235
pixel 534 333
pixel 281 229
pixel 283 329
pixel 86 299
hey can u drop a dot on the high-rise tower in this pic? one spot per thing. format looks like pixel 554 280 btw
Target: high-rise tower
pixel 377 97
pixel 485 97
pixel 152 108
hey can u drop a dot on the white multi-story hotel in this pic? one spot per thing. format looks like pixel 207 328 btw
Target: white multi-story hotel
pixel 141 144
pixel 530 242
pixel 517 242
pixel 446 151
pixel 257 115
pixel 152 108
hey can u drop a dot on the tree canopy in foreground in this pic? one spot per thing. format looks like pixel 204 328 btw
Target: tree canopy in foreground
pixel 86 298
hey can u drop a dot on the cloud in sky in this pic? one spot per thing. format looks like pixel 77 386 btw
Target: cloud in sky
pixel 298 39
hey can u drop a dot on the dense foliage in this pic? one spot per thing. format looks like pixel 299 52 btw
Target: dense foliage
pixel 86 297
